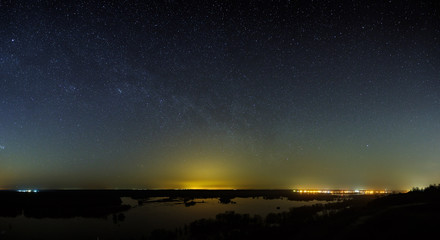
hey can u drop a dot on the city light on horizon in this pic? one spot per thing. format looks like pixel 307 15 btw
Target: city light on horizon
pixel 347 191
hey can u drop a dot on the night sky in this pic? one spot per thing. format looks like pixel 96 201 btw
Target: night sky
pixel 219 94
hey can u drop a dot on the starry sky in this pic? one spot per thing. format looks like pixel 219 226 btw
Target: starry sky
pixel 219 94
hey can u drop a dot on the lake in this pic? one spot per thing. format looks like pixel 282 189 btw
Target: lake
pixel 144 216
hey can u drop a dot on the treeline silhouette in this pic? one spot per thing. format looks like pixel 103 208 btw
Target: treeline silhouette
pixel 415 214
pixel 61 204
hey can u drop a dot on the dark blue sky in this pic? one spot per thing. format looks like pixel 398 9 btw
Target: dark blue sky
pixel 219 94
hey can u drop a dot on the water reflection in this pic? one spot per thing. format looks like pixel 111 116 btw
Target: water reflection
pixel 108 216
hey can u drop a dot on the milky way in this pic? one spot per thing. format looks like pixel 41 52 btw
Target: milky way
pixel 228 94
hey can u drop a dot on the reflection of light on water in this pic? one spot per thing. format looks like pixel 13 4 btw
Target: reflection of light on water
pixel 209 207
pixel 153 213
pixel 129 201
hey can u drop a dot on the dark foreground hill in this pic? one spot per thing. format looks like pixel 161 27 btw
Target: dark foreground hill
pixel 415 214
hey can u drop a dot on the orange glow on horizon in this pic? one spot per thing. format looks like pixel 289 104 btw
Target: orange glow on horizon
pixel 204 184
pixel 210 171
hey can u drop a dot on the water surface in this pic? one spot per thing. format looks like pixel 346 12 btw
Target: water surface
pixel 143 217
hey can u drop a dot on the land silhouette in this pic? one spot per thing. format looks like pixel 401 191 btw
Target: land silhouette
pixel 60 204
pixel 385 216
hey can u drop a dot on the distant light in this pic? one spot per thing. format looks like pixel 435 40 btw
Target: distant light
pixel 341 191
pixel 28 190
